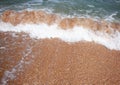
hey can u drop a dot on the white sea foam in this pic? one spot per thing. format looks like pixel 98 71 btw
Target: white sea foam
pixel 12 73
pixel 111 17
pixel 37 0
pixel 41 31
pixel 91 6
pixel 2 48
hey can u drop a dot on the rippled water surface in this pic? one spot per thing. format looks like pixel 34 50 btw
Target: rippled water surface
pixel 99 9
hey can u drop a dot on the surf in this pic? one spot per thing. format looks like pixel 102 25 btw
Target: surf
pixel 41 25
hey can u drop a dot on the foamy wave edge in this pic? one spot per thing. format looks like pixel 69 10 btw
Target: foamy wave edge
pixel 42 31
pixel 67 29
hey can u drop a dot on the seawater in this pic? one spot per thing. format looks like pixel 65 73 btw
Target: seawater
pixel 99 9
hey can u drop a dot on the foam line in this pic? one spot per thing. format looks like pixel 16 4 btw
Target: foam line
pixel 42 31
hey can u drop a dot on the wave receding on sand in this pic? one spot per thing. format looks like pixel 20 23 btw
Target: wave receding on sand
pixel 40 25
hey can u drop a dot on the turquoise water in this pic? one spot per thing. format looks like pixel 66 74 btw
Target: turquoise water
pixel 99 9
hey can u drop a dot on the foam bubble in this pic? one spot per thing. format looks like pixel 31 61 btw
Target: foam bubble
pixel 91 6
pixel 2 47
pixel 37 0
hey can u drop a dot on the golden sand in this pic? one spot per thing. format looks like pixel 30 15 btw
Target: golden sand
pixel 55 62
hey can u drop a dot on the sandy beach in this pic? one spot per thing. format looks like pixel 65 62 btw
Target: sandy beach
pixel 60 42
pixel 26 61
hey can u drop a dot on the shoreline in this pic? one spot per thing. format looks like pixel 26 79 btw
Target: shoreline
pixel 38 17
pixel 55 62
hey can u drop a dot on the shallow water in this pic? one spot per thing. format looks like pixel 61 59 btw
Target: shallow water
pixel 103 10
pixel 99 9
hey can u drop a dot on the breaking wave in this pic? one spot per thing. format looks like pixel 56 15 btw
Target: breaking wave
pixel 41 25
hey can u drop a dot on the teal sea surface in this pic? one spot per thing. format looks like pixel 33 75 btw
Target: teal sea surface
pixel 98 9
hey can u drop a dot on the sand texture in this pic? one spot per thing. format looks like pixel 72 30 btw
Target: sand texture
pixel 55 62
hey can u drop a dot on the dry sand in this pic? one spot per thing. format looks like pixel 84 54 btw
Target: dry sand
pixel 55 62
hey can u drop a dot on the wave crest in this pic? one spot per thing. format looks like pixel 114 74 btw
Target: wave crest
pixel 36 17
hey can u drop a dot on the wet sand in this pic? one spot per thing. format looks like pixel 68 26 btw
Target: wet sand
pixel 55 62
pixel 37 17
